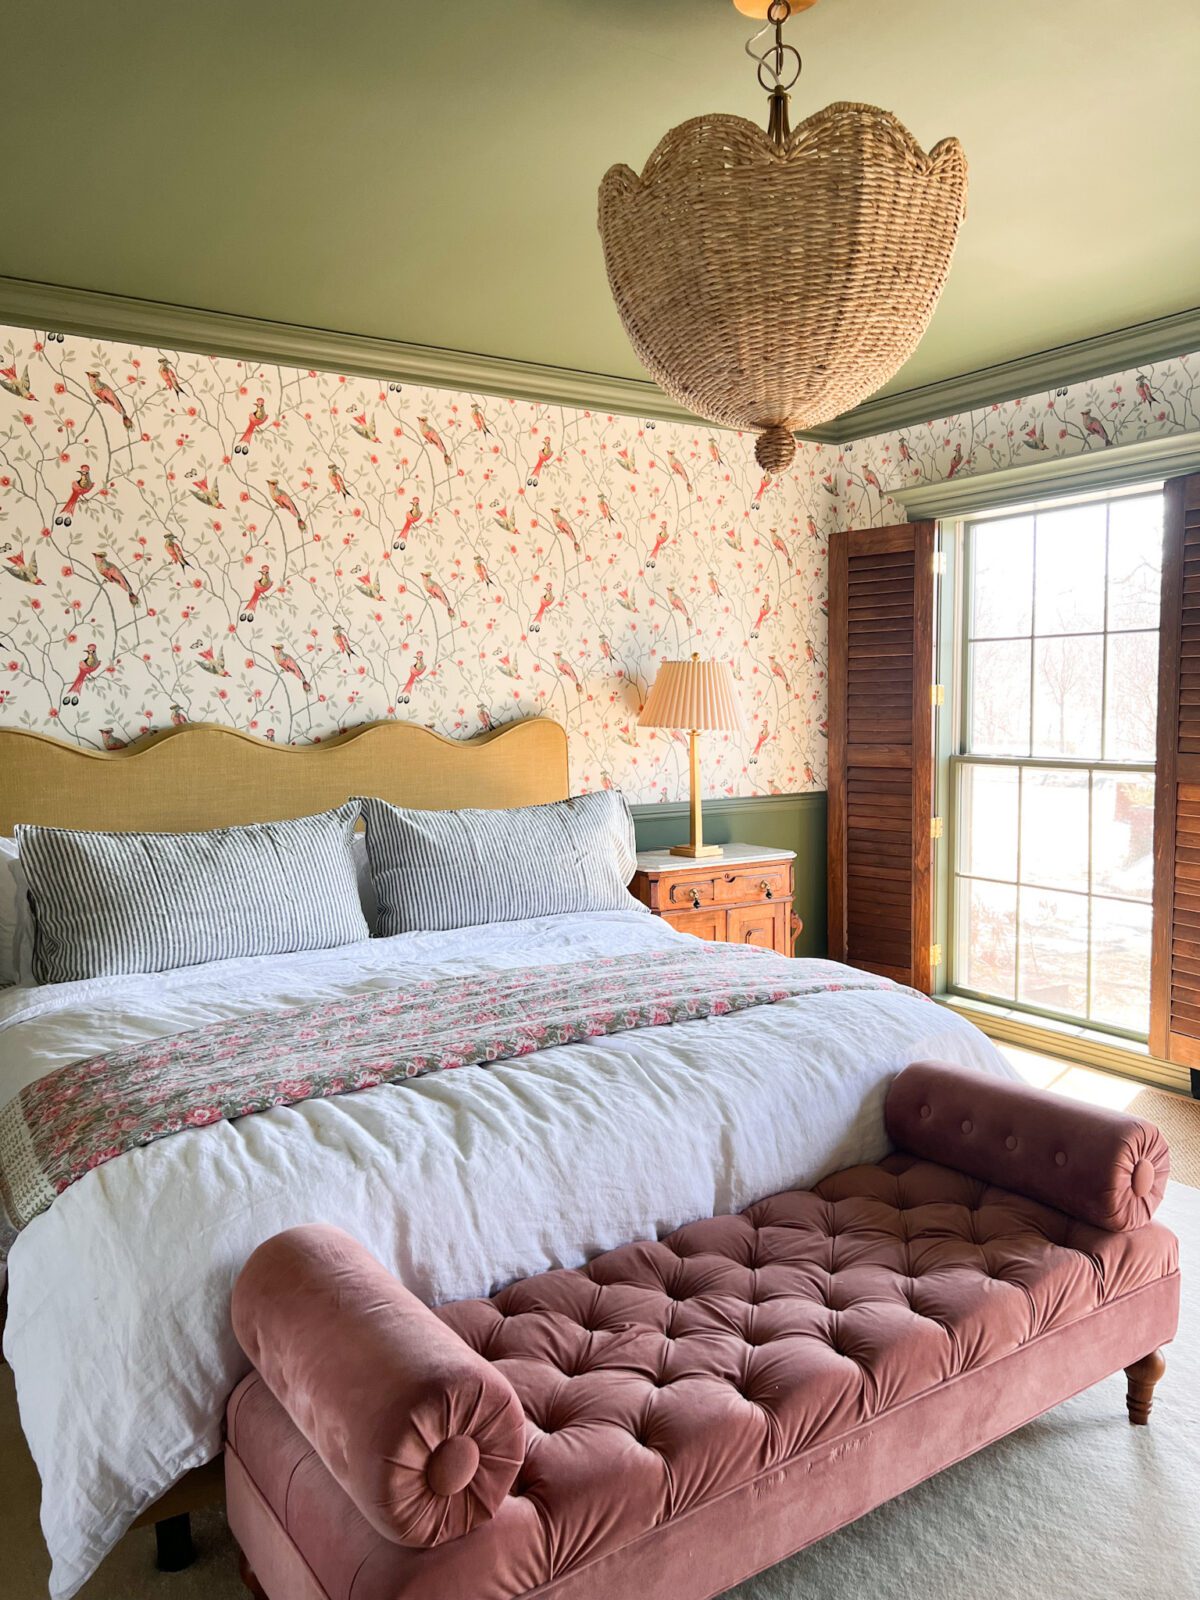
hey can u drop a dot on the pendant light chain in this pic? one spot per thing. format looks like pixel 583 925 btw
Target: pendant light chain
pixel 772 64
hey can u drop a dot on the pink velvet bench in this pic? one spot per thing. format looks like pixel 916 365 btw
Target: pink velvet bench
pixel 679 1414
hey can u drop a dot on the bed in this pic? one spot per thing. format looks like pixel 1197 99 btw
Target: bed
pixel 118 1326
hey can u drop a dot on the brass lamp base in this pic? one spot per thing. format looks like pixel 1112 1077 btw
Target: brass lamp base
pixel 695 846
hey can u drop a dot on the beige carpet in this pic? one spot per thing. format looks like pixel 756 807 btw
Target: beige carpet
pixel 1179 1118
pixel 1076 1506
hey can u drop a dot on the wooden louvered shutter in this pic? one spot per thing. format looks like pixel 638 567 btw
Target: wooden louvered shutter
pixel 1175 960
pixel 881 583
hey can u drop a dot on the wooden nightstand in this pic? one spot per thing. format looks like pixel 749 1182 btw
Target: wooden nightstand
pixel 743 896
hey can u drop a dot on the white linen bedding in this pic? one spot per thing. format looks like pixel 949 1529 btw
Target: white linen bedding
pixel 118 1327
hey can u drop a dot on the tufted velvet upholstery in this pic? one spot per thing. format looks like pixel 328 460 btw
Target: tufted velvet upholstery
pixel 669 1378
pixel 1104 1167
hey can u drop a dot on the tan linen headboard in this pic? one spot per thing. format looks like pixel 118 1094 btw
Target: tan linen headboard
pixel 205 776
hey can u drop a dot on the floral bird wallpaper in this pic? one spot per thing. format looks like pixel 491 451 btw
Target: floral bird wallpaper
pixel 188 538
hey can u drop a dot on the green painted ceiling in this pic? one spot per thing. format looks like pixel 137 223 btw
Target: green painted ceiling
pixel 427 171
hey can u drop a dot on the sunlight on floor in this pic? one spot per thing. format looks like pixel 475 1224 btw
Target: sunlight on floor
pixel 1079 1083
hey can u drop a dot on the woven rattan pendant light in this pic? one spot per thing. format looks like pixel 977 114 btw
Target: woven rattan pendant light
pixel 771 280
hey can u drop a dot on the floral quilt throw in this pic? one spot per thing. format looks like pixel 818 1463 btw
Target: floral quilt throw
pixel 80 1116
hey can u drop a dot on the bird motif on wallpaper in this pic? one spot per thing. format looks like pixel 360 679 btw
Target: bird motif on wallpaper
pixel 110 741
pixel 660 543
pixel 1095 428
pixel 606 649
pixel 604 508
pixel 284 501
pixel 627 461
pixel 364 426
pixel 213 661
pixel 337 482
pixel 761 491
pixel 262 586
pixel 24 569
pixel 535 625
pixel 626 601
pixel 562 526
pixel 677 604
pixel 169 376
pixel 258 419
pixel 433 438
pixel 342 639
pixel 108 396
pixel 568 671
pixel 714 450
pixel 414 516
pixel 764 734
pixel 290 665
pixel 83 485
pixel 481 571
pixel 18 386
pixel 111 573
pixel 1144 392
pixel 778 671
pixel 207 496
pixel 414 672
pixel 734 540
pixel 369 586
pixel 505 520
pixel 764 611
pixel 478 418
pixel 435 592
pixel 89 665
pixel 543 458
pixel 956 460
pixel 678 468
pixel 504 665
pixel 1035 438
pixel 715 586
pixel 175 550
pixel 485 718
pixel 179 717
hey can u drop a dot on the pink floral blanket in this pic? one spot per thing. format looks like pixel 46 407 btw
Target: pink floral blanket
pixel 81 1116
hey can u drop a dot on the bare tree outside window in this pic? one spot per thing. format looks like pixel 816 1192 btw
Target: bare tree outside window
pixel 1054 786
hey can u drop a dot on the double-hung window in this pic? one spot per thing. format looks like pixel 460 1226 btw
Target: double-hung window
pixel 1053 785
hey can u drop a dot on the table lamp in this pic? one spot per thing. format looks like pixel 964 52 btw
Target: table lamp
pixel 696 695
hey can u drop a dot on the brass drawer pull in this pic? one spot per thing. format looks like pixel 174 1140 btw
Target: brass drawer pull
pixel 695 901
pixel 766 888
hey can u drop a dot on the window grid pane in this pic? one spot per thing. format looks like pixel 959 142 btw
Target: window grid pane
pixel 1052 880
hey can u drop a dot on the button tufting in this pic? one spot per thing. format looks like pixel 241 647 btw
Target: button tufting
pixel 1011 1142
pixel 968 1126
pixel 926 1111
pixel 1060 1158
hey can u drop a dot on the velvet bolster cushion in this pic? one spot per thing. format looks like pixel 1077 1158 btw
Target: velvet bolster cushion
pixel 422 1433
pixel 1102 1167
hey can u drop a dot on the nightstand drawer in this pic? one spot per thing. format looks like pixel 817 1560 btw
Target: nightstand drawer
pixel 700 924
pixel 760 925
pixel 752 884
pixel 686 892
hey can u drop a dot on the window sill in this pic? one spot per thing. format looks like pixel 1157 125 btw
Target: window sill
pixel 1076 1043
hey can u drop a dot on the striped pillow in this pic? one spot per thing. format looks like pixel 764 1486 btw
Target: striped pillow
pixel 456 869
pixel 110 903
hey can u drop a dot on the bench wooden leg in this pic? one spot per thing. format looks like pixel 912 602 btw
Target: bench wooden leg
pixel 1142 1376
pixel 248 1578
pixel 173 1543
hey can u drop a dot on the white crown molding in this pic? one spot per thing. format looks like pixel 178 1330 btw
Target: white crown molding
pixel 1147 461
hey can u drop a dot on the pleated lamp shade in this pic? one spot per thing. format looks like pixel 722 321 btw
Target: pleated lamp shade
pixel 693 694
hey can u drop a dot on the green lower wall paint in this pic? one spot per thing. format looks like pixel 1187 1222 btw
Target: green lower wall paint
pixel 789 821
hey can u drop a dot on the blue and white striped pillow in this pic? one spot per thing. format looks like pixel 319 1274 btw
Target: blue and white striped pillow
pixel 458 869
pixel 111 903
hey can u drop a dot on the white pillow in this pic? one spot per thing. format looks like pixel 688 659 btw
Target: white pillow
pixel 368 899
pixel 16 920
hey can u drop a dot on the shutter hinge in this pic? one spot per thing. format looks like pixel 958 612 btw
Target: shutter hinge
pixel 939 564
pixel 937 694
pixel 937 827
pixel 935 955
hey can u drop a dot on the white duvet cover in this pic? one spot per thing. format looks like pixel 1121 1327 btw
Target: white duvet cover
pixel 118 1319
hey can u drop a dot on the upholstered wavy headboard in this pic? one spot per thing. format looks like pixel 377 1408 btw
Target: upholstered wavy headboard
pixel 205 776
